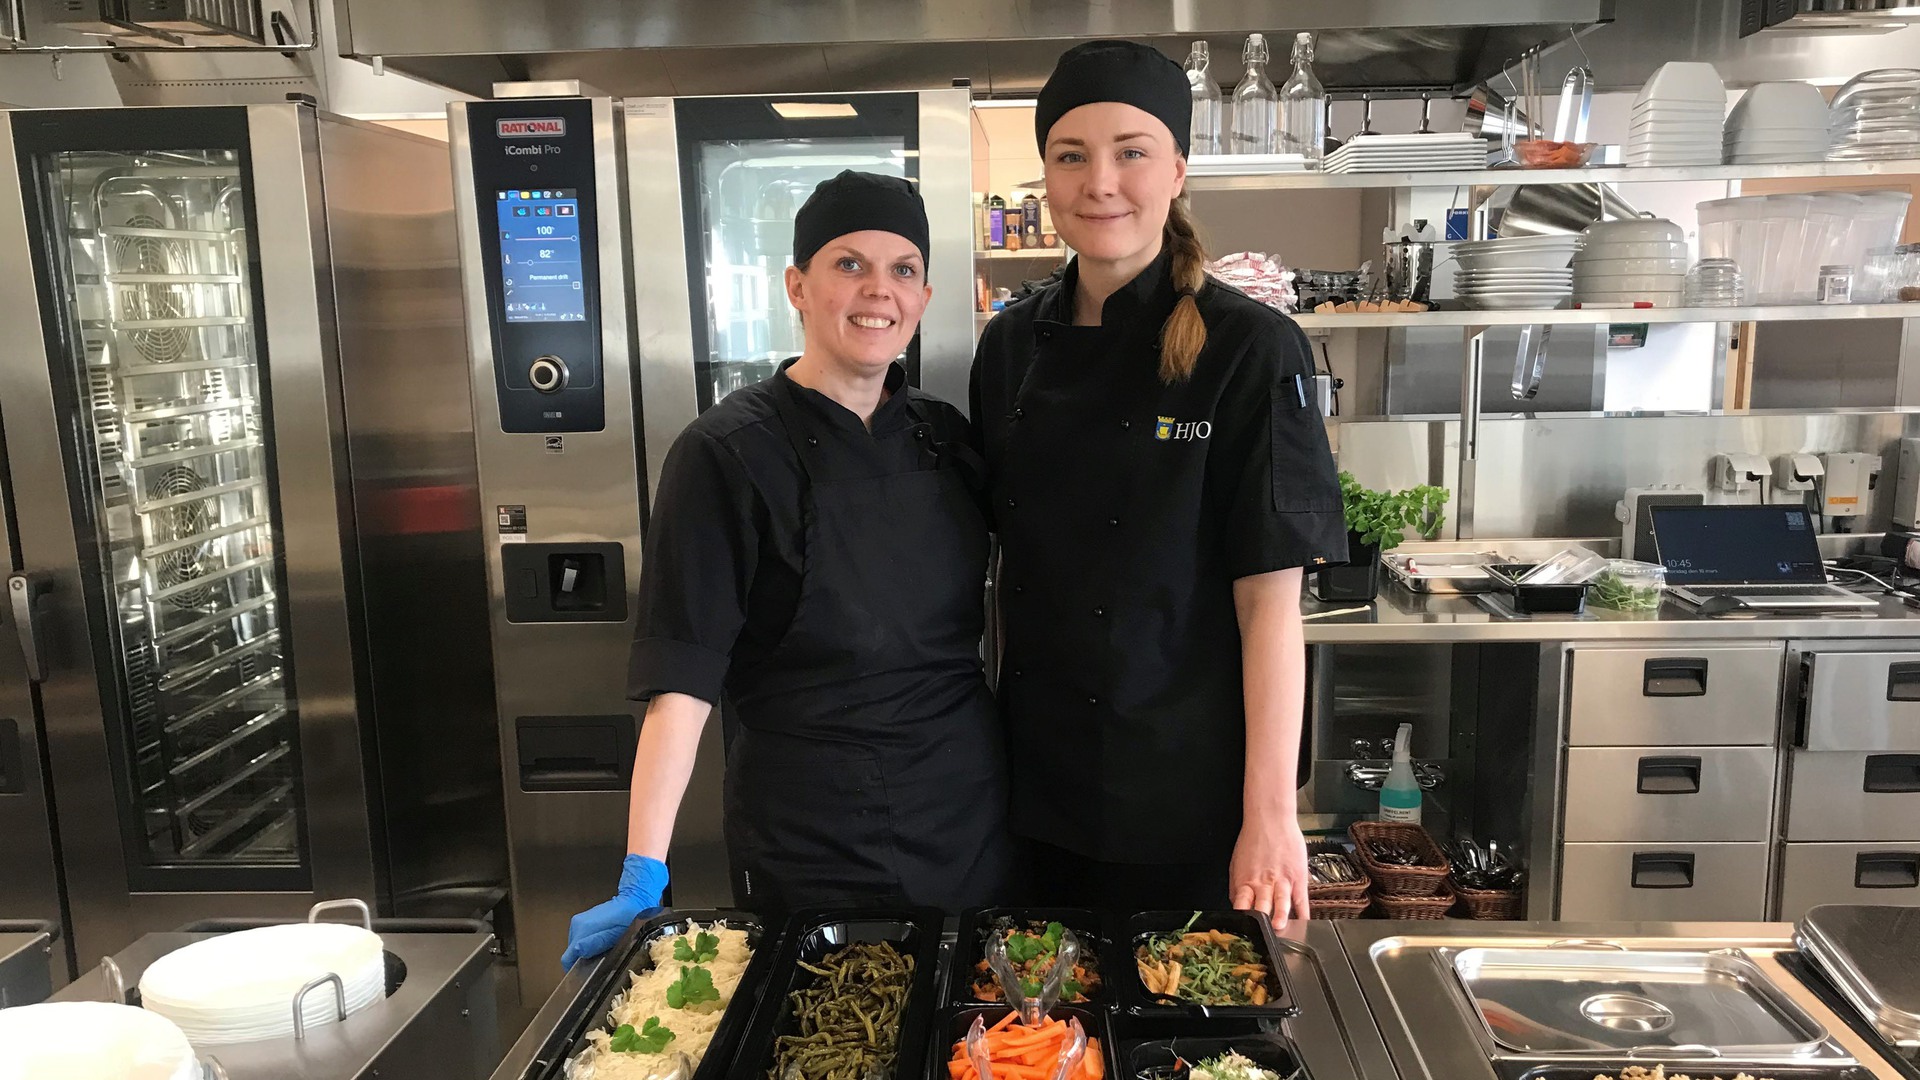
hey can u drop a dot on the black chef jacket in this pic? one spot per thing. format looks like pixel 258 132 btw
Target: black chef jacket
pixel 1125 510
pixel 723 549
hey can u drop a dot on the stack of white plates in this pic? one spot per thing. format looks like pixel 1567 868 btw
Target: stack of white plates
pixel 240 987
pixel 1515 273
pixel 1243 164
pixel 1677 119
pixel 1435 152
pixel 1777 122
pixel 1876 117
pixel 92 1040
pixel 1637 261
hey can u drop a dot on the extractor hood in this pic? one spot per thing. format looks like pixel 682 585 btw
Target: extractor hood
pixel 1005 48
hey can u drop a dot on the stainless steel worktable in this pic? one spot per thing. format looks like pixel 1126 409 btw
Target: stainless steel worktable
pixel 1401 616
pixel 1424 1021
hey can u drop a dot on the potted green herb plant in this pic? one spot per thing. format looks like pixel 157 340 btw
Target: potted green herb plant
pixel 1377 521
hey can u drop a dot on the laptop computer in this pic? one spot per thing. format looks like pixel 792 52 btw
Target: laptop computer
pixel 1766 557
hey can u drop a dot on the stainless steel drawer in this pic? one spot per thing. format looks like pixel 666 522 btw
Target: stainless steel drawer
pixel 1863 701
pixel 1694 795
pixel 1848 798
pixel 1726 696
pixel 1815 874
pixel 1663 882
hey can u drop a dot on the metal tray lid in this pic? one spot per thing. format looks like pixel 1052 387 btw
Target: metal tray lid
pixel 1564 1001
pixel 1872 953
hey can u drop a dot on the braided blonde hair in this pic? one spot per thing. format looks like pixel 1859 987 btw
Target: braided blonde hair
pixel 1184 334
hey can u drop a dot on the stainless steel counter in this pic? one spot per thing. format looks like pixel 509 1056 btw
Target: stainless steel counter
pixel 1401 616
pixel 26 962
pixel 1424 1021
pixel 442 1021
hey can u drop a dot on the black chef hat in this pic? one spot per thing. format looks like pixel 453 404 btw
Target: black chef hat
pixel 1122 71
pixel 855 202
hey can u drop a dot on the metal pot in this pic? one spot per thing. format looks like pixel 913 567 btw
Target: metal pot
pixel 1555 209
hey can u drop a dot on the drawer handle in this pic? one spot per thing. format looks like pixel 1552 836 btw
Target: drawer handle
pixel 1663 870
pixel 1903 682
pixel 1892 774
pixel 1669 776
pixel 1674 676
pixel 1887 870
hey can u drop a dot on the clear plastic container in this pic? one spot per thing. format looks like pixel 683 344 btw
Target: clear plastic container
pixel 1626 585
pixel 1570 567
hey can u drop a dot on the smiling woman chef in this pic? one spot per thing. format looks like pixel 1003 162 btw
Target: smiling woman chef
pixel 1159 479
pixel 818 556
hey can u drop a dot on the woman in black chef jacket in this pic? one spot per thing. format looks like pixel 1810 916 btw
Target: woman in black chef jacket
pixel 817 555
pixel 1159 478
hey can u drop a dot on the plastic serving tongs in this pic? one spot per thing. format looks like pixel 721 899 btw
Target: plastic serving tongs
pixel 1070 1054
pixel 1031 1010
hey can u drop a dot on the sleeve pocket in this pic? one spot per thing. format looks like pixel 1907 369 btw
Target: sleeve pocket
pixel 1304 477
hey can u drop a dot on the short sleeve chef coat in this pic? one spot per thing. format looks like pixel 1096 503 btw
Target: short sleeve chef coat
pixel 723 550
pixel 1125 510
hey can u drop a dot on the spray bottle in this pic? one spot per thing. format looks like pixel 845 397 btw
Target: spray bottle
pixel 1400 793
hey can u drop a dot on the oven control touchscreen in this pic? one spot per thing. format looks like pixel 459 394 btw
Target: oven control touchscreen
pixel 534 173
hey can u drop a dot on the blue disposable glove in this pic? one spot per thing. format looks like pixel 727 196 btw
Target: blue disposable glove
pixel 594 930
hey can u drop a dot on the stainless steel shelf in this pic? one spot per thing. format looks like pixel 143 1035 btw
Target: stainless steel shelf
pixel 231 697
pixel 202 495
pixel 150 551
pixel 1600 316
pixel 252 813
pixel 191 453
pixel 183 678
pixel 203 580
pixel 255 768
pixel 1255 180
pixel 234 738
pixel 186 632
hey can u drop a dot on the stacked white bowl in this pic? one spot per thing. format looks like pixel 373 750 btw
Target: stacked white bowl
pixel 1518 273
pixel 1777 122
pixel 240 987
pixel 1636 261
pixel 92 1040
pixel 1678 117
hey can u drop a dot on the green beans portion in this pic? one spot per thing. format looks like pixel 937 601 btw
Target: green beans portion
pixel 849 1018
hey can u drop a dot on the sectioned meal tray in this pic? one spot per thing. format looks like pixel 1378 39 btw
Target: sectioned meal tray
pixel 1546 1003
pixel 584 999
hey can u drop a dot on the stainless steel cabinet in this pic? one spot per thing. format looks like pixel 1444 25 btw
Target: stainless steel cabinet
pixel 1714 696
pixel 1659 793
pixel 1862 701
pixel 1844 797
pixel 1662 882
pixel 1815 874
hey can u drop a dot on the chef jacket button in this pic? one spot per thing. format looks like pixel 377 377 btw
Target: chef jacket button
pixel 1091 700
pixel 919 433
pixel 1011 504
pixel 812 441
pixel 1099 613
pixel 1126 425
pixel 1017 673
pixel 1115 522
pixel 1019 414
pixel 1018 589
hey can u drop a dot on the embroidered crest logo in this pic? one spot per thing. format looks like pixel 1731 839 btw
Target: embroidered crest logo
pixel 1167 429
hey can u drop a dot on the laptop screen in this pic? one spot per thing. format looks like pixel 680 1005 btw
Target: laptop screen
pixel 1737 545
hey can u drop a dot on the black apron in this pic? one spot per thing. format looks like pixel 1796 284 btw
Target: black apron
pixel 868 760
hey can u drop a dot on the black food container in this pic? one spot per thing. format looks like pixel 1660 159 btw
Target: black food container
pixel 1536 599
pixel 1136 1000
pixel 1698 1067
pixel 1100 940
pixel 1159 1057
pixel 559 1032
pixel 808 938
pixel 954 1023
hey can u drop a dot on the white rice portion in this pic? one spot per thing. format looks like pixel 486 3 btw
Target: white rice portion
pixel 692 1027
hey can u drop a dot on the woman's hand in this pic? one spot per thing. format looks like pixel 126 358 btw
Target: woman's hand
pixel 1269 870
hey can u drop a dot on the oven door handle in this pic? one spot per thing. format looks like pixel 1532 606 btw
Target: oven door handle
pixel 23 598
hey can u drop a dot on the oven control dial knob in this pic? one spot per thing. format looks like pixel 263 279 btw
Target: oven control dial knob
pixel 548 374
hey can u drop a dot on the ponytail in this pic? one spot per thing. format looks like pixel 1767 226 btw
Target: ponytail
pixel 1184 334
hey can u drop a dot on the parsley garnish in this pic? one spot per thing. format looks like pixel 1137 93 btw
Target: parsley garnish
pixel 704 949
pixel 650 1039
pixel 694 986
